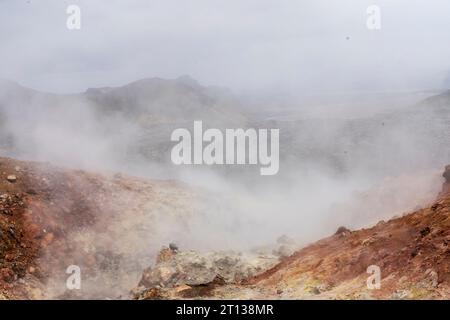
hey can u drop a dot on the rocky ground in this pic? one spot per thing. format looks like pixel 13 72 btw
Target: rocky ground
pixel 412 253
pixel 51 218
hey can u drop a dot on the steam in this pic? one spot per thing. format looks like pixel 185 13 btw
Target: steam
pixel 357 143
pixel 261 46
pixel 351 171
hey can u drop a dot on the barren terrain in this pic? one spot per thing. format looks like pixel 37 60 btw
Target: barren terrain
pixel 112 226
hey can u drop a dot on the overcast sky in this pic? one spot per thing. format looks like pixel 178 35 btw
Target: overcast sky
pixel 258 45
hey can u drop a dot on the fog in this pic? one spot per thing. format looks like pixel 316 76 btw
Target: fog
pixel 344 168
pixel 357 141
pixel 276 46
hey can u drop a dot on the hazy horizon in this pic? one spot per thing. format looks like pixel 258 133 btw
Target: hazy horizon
pixel 260 46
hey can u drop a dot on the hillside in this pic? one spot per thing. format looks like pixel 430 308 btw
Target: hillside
pixel 114 125
pixel 130 126
pixel 113 227
pixel 440 100
pixel 108 224
pixel 411 251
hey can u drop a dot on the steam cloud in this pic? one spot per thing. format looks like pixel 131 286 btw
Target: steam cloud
pixel 357 143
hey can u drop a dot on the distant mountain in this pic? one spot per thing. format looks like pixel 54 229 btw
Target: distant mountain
pixel 441 100
pixel 401 138
pixel 154 100
pixel 134 120
pixel 157 100
pixel 133 123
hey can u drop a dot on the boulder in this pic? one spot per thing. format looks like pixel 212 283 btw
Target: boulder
pixel 342 231
pixel 190 268
pixel 446 174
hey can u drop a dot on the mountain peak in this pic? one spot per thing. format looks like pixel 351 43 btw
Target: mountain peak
pixel 188 80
